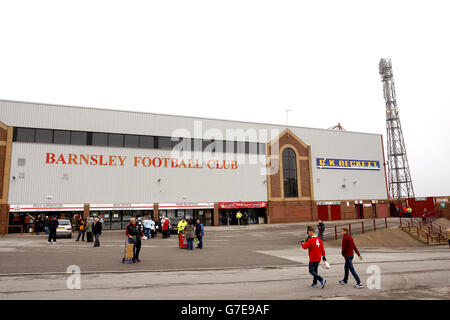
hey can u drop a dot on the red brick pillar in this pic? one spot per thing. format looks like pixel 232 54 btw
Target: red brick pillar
pixel 4 218
pixel 216 214
pixel 86 212
pixel 314 214
pixel 155 210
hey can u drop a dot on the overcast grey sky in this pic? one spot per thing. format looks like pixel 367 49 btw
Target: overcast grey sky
pixel 242 60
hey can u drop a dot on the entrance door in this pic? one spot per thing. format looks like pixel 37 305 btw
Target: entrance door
pixel 116 220
pixel 359 210
pixel 322 212
pixel 336 212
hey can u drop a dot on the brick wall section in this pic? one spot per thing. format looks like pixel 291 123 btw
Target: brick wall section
pixel 86 211
pixel 155 211
pixel 4 206
pixel 3 134
pixel 444 211
pixel 4 218
pixel 305 183
pixel 382 210
pixel 289 211
pixel 348 213
pixel 303 167
pixel 216 214
pixel 2 167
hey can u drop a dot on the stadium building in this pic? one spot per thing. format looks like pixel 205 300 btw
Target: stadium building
pixel 68 160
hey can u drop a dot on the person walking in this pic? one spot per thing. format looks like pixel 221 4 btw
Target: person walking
pixel 165 227
pixel 52 226
pixel 47 220
pixel 38 225
pixel 97 231
pixel 315 251
pixel 181 225
pixel 246 218
pixel 348 246
pixel 239 217
pixel 147 227
pixel 199 233
pixel 152 228
pixel 140 224
pixel 189 232
pixel 82 227
pixel 134 234
pixel 88 228
pixel 321 228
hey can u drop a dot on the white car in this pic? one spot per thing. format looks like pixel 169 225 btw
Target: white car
pixel 64 228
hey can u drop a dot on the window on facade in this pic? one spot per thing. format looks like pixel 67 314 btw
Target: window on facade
pixel 61 137
pixel 165 143
pixel 209 145
pixel 25 134
pixel 147 142
pixel 220 146
pixel 44 136
pixel 131 141
pixel 115 140
pixel 240 147
pixel 253 148
pixel 99 139
pixel 261 148
pixel 183 144
pixel 290 173
pixel 230 146
pixel 78 138
pixel 197 145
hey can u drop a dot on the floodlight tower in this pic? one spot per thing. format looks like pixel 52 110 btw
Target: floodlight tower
pixel 400 184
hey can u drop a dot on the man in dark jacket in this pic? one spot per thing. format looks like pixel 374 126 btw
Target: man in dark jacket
pixel 52 226
pixel 97 231
pixel 348 246
pixel 321 228
pixel 199 233
pixel 134 234
pixel 38 225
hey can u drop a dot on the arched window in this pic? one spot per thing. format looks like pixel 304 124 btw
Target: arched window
pixel 290 173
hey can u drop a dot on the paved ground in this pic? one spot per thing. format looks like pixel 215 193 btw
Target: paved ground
pixel 253 262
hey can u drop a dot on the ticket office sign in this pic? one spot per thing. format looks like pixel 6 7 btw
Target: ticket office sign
pixel 348 164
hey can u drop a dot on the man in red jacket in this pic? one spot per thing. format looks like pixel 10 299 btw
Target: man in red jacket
pixel 348 246
pixel 316 251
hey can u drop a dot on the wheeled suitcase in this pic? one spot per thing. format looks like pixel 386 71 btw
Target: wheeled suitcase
pixel 128 253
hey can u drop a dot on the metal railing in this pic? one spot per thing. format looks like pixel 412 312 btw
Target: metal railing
pixel 431 231
pixel 425 225
pixel 359 227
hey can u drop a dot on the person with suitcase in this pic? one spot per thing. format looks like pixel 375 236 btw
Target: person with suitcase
pixel 134 234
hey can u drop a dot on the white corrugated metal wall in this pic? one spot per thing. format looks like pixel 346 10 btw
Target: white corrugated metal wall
pixel 133 185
